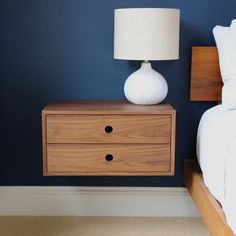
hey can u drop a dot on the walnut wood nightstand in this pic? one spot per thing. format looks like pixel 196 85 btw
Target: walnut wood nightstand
pixel 108 138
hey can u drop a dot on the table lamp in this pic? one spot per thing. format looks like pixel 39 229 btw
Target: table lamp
pixel 146 34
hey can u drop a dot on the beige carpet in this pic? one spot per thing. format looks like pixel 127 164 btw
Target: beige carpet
pixel 101 226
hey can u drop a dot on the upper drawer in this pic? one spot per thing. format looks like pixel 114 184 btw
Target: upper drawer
pixel 108 128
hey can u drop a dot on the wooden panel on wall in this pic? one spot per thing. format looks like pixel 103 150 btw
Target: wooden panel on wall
pixel 206 83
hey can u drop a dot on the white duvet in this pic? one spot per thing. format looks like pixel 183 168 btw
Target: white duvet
pixel 216 152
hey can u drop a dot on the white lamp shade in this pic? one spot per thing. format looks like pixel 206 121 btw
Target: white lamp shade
pixel 146 34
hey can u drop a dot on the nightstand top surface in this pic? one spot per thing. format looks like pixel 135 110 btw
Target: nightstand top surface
pixel 104 107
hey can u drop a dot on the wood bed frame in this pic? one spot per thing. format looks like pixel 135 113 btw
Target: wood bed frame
pixel 205 86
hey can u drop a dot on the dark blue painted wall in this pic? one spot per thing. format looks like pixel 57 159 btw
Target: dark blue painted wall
pixel 63 49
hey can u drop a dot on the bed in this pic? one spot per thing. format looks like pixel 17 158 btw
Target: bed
pixel 211 179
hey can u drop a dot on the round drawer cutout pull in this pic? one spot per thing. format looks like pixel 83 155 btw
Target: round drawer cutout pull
pixel 108 129
pixel 109 157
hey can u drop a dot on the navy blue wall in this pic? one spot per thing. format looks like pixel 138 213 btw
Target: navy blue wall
pixel 63 49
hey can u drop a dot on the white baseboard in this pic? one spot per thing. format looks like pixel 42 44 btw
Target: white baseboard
pixel 96 201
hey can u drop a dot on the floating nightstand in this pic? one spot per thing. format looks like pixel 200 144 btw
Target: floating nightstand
pixel 108 138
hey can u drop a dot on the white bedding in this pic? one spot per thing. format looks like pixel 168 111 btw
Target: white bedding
pixel 216 152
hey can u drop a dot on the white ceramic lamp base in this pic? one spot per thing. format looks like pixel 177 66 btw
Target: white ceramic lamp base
pixel 145 86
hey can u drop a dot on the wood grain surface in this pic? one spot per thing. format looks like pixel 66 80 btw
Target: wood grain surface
pixel 104 107
pixel 82 159
pixel 142 138
pixel 44 141
pixel 210 210
pixel 206 83
pixel 91 128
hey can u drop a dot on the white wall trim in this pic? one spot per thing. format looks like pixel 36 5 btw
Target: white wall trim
pixel 96 201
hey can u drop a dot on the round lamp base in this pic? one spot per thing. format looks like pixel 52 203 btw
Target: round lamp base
pixel 145 86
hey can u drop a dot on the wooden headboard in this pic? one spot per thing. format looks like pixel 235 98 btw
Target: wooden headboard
pixel 206 83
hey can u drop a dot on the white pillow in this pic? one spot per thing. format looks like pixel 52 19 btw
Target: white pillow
pixel 227 57
pixel 233 28
pixel 229 96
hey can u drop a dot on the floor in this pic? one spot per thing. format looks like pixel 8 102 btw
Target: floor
pixel 101 226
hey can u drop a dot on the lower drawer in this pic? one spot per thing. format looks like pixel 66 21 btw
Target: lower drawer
pixel 108 159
